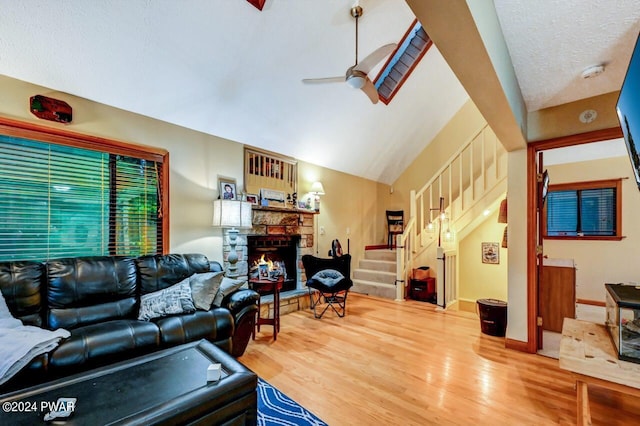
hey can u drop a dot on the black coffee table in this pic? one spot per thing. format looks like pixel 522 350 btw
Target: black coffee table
pixel 166 387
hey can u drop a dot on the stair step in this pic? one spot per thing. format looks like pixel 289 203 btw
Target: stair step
pixel 375 276
pixel 386 291
pixel 383 254
pixel 378 265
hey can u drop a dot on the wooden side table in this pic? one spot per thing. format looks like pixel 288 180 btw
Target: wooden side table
pixel 587 351
pixel 268 287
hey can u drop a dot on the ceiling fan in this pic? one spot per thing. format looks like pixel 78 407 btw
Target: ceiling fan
pixel 356 75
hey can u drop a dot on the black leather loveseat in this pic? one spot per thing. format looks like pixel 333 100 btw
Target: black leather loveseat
pixel 97 299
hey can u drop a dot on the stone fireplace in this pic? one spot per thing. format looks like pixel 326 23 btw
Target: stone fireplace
pixel 280 234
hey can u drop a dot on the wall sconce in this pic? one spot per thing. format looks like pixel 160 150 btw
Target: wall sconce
pixel 232 214
pixel 317 190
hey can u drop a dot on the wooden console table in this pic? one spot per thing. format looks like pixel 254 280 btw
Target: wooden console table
pixel 586 350
pixel 266 287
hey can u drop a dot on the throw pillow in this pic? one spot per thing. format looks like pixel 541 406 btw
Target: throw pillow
pixel 169 301
pixel 204 288
pixel 227 286
pixel 328 277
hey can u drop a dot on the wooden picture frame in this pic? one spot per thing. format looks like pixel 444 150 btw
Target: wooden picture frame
pixel 227 188
pixel 491 253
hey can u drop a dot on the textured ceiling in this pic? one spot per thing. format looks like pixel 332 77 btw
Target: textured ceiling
pixel 224 68
pixel 552 42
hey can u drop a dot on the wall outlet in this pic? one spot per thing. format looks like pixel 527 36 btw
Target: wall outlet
pixel 322 230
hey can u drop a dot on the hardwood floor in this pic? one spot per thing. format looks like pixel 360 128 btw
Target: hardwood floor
pixel 406 364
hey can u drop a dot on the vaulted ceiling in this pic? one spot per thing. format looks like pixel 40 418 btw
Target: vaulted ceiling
pixel 227 69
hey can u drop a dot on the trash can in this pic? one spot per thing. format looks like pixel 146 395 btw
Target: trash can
pixel 493 316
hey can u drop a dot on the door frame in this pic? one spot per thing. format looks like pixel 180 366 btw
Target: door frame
pixel 532 284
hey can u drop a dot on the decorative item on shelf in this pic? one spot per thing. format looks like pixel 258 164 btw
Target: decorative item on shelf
pixel 253 199
pixel 232 214
pixel 272 197
pixel 317 190
pixel 292 200
pixel 227 188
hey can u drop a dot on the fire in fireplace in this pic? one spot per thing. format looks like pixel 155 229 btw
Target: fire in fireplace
pixel 270 257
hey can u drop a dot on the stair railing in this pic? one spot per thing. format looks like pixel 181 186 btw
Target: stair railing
pixel 476 168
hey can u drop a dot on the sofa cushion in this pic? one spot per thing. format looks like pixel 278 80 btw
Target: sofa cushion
pixel 227 286
pixel 99 344
pixel 161 271
pixel 213 325
pixel 169 301
pixel 77 283
pixel 21 284
pixel 204 288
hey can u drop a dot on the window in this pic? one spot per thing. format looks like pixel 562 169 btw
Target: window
pixel 586 210
pixel 65 200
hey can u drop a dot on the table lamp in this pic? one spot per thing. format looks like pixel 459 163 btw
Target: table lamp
pixel 232 214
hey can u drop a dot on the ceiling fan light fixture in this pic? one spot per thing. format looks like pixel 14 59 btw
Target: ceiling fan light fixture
pixel 356 81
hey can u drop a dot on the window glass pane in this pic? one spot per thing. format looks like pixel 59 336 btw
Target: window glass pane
pixel 597 211
pixel 562 209
pixel 136 207
pixel 53 202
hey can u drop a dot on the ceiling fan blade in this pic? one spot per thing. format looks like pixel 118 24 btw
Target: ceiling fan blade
pixel 374 57
pixel 370 90
pixel 323 80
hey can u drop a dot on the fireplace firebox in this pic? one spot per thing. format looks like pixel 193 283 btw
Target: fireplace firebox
pixel 270 256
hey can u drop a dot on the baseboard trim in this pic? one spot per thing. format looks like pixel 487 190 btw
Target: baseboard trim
pixel 591 302
pixel 517 345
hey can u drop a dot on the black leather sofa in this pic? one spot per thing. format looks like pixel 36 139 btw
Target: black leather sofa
pixel 97 300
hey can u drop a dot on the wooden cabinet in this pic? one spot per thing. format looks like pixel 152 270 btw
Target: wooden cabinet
pixel 557 296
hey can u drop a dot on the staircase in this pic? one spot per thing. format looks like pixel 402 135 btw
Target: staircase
pixel 376 274
pixel 473 178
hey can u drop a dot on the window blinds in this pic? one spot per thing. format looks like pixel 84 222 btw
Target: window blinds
pixel 59 201
pixel 588 212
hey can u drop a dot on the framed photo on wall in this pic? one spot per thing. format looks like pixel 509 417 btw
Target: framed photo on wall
pixel 491 253
pixel 227 188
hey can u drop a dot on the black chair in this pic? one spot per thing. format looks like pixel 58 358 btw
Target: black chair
pixel 328 279
pixel 395 225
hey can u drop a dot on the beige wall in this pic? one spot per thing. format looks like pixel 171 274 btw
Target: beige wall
pixel 600 262
pixel 196 161
pixel 461 128
pixel 477 280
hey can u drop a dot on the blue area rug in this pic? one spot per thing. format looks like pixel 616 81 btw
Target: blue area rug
pixel 276 408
